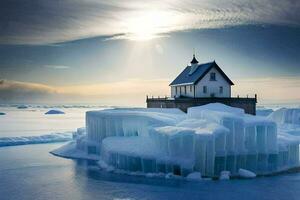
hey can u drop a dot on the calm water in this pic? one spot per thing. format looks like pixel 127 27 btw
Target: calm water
pixel 30 172
pixel 33 121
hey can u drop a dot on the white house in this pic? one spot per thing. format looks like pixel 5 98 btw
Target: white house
pixel 201 80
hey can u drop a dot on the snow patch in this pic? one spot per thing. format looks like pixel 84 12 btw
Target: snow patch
pixel 225 175
pixel 194 176
pixel 264 112
pixel 246 173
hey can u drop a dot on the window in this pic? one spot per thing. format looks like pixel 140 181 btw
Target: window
pixel 221 90
pixel 184 89
pixel 176 88
pixel 204 89
pixel 212 76
pixel 190 88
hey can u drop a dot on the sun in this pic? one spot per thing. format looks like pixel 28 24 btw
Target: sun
pixel 147 25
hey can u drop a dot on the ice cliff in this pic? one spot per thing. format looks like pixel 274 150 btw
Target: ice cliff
pixel 208 139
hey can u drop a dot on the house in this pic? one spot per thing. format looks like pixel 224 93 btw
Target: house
pixel 200 84
pixel 201 80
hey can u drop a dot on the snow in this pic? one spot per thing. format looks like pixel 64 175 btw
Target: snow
pixel 49 138
pixel 286 116
pixel 218 107
pixel 70 151
pixel 246 173
pixel 194 176
pixel 264 111
pixel 213 140
pixel 131 146
pixel 53 112
pixel 224 175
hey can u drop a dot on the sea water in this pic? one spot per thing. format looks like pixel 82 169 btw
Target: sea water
pixel 31 172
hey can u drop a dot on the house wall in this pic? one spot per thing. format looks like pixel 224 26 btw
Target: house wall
pixel 213 87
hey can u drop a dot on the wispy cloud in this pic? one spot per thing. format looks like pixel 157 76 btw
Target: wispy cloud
pixel 57 66
pixel 128 92
pixel 133 92
pixel 44 22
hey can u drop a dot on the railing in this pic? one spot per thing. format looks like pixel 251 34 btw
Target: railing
pixel 167 97
pixel 158 98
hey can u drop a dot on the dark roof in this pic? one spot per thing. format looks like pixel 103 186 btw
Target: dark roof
pixel 185 77
pixel 194 61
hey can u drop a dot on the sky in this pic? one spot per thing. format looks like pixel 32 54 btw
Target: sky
pixel 117 52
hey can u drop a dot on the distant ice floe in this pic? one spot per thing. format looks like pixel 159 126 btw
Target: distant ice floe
pixel 213 140
pixel 246 173
pixel 49 138
pixel 22 107
pixel 54 112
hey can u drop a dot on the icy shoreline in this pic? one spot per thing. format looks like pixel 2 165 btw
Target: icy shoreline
pixel 41 139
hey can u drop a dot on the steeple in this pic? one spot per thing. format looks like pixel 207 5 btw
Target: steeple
pixel 194 65
pixel 194 61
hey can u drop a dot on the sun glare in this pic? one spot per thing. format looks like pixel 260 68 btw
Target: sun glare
pixel 148 25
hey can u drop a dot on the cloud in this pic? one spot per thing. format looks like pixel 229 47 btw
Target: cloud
pixel 133 92
pixel 270 89
pixel 57 66
pixel 18 91
pixel 46 22
pixel 130 92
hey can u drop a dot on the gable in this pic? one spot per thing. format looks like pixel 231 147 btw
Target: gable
pixel 219 70
pixel 185 77
pixel 219 79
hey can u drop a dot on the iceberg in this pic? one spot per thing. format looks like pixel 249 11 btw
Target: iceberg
pixel 213 140
pixel 246 173
pixel 22 107
pixel 54 112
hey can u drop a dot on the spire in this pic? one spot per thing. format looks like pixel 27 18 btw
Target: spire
pixel 194 61
pixel 194 64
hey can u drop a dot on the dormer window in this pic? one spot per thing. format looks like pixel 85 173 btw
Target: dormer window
pixel 212 76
